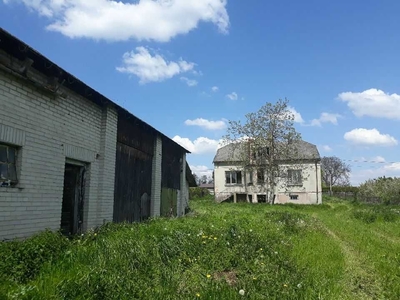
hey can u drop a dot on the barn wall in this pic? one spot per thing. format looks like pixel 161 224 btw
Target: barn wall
pixel 47 130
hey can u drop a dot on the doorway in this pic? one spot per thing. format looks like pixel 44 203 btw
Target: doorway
pixel 73 199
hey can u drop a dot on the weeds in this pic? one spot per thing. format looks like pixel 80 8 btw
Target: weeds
pixel 230 251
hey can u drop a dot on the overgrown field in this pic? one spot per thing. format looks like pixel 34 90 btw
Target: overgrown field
pixel 337 250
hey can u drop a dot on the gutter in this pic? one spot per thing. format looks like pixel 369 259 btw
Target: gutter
pixel 316 181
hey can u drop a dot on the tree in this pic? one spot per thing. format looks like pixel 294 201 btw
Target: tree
pixel 203 179
pixel 196 178
pixel 263 142
pixel 335 172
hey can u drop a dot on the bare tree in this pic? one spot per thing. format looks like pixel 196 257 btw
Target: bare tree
pixel 263 142
pixel 334 172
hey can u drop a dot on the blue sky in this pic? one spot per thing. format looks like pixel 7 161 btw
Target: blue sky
pixel 187 66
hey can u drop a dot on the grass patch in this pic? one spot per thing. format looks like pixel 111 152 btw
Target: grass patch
pixel 269 252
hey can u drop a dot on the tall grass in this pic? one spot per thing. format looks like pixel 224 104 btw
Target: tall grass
pixel 218 251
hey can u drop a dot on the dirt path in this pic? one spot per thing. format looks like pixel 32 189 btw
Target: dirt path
pixel 360 280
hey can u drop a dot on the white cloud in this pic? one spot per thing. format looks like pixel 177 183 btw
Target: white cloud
pixel 369 137
pixel 389 170
pixel 378 159
pixel 110 20
pixel 297 116
pixel 232 96
pixel 326 118
pixel 215 89
pixel 201 145
pixel 207 124
pixel 201 170
pixel 151 68
pixel 189 82
pixel 373 103
pixel 326 148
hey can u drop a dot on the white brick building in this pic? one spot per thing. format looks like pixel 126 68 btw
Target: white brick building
pixel 62 152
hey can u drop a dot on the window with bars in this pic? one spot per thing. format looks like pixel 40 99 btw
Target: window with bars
pixel 295 177
pixel 8 169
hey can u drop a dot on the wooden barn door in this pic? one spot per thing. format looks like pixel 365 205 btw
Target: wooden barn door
pixel 132 184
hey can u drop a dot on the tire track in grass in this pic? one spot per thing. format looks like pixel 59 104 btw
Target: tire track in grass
pixel 360 280
pixel 387 238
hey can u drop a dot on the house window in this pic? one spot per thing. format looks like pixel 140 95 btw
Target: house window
pixel 8 170
pixel 233 177
pixel 260 175
pixel 250 177
pixel 261 153
pixel 294 197
pixel 294 177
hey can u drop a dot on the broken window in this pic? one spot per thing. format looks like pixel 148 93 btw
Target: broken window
pixel 294 197
pixel 8 170
pixel 260 175
pixel 233 177
pixel 294 177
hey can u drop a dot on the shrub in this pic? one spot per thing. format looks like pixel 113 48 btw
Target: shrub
pixel 21 261
pixel 383 189
pixel 198 192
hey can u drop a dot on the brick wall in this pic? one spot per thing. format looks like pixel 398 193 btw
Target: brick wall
pixel 48 130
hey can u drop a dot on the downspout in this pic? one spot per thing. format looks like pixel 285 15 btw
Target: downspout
pixel 316 180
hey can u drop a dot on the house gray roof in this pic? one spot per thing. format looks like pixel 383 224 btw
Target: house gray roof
pixel 232 152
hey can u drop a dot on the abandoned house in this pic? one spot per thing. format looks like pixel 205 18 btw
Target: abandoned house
pixel 71 159
pixel 300 180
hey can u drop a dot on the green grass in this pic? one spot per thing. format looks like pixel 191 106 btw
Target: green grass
pixel 337 250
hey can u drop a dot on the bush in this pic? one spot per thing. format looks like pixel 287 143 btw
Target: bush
pixel 21 261
pixel 383 189
pixel 198 192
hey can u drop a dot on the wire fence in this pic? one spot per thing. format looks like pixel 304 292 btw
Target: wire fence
pixel 395 200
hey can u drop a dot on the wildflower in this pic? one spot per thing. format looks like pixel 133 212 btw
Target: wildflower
pixel 251 230
pixel 95 234
pixel 254 278
pixel 204 242
pixel 285 285
pixel 262 263
pixel 241 292
pixel 208 275
pixel 215 238
pixel 299 285
pixel 276 252
pixel 204 236
pixel 197 295
pixel 260 249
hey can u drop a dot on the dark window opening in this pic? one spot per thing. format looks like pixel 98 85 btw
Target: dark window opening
pixel 250 198
pixel 233 177
pixel 294 197
pixel 262 198
pixel 294 177
pixel 73 200
pixel 260 176
pixel 8 161
pixel 241 198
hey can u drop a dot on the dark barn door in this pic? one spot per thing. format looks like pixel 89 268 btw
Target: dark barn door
pixel 132 184
pixel 73 196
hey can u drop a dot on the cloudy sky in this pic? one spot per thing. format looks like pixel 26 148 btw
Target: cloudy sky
pixel 188 66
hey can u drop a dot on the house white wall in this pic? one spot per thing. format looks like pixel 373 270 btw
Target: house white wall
pixel 308 193
pixel 48 130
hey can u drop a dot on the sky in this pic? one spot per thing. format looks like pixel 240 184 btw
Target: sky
pixel 186 67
